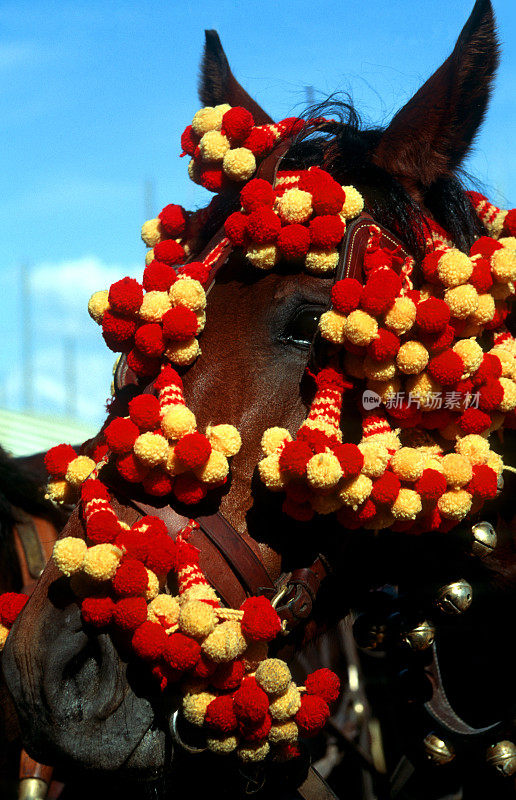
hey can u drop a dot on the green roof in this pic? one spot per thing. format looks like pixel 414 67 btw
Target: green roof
pixel 23 433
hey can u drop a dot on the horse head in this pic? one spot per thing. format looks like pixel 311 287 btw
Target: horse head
pixel 79 697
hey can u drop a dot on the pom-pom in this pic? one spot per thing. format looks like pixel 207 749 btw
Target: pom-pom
pixel 228 676
pixel 455 504
pixel 407 505
pixel 144 411
pixel 131 469
pixel 481 277
pixel 346 294
pixel 326 231
pixel 11 604
pixel 454 268
pixel 294 241
pixel 130 579
pixel 295 206
pixel 197 619
pixel 462 301
pixel 94 490
pixel 188 292
pixel 193 450
pixel 189 140
pixel 323 683
pixel 250 702
pixel 98 611
pixel 361 328
pixel 258 193
pixel 173 220
pixel 180 324
pixel 263 225
pixel 273 439
pixel 98 304
pixel 456 470
pixel 321 261
pixel 142 365
pixel 236 228
pixel 189 490
pixel 294 457
pixel 484 483
pixel 432 315
pixel 401 315
pixel 164 609
pixel 273 675
pixel 323 471
pixel 380 291
pixel 157 483
pixel 386 489
pixel 69 554
pixel 490 395
pixel 213 146
pixel 224 438
pixel 58 458
pixel 101 561
pixel 328 199
pixel 151 448
pixel 431 485
pixel 473 420
pixel 286 705
pixel 154 306
pixel 149 340
pixel 181 652
pixel 408 464
pixel 78 470
pixel 412 358
pixel 214 470
pixel 126 296
pixel 237 123
pixel 385 347
pixel 312 716
pixel 121 435
pixel 225 642
pixel 102 526
pixel 353 204
pixel 177 422
pixel 129 613
pixel 149 641
pixel 260 141
pixel 169 252
pixel 260 621
pixel 446 368
pixel 220 715
pixel 239 164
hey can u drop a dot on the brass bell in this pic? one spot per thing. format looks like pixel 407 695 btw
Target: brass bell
pixel 454 598
pixel 421 637
pixel 484 539
pixel 502 756
pixel 438 751
pixel 370 634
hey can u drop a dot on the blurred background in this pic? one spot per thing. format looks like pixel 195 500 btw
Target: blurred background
pixel 94 97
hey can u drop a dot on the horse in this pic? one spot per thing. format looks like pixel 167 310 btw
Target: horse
pixel 80 700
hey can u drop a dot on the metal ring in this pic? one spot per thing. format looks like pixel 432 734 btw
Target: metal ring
pixel 175 735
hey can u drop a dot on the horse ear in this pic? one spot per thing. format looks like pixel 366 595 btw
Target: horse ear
pixel 218 85
pixel 429 137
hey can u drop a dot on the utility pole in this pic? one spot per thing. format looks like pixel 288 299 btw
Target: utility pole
pixel 26 338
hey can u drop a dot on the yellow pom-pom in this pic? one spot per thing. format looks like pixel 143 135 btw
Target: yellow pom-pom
pixel 379 370
pixel 273 675
pixel 164 609
pixel 215 469
pixel 183 353
pixel 495 462
pixel 239 164
pixel 197 619
pixel 412 358
pixel 213 146
pixel 325 503
pixel 154 305
pixel 177 421
pixel 401 316
pixel 151 448
pixel 454 504
pixel 361 328
pixel 386 390
pixel 321 261
pixel 353 204
pixel 474 447
pixel 225 642
pixel 201 317
pixel 222 744
pixel 454 268
pixel 69 554
pixel 263 256
pixel 79 469
pixel 286 705
pixel 376 458
pixel 195 705
pixel 471 354
pixel 503 264
pixel 354 365
pixel 152 590
pixel 457 470
pixel 283 733
pixel 256 653
pixel 173 464
pixel 188 292
pixel 222 107
pixel 507 361
pixel 295 205
pixel 423 389
pixel 207 119
pixel 199 591
pixel 194 171
pixel 509 395
pixel 408 464
pixel 152 232
pixel 101 561
pixel 273 439
pixel 59 492
pixel 224 438
pixel 253 752
pixel 98 304
pixel 462 301
pixel 355 491
pixel 323 471
pixel 484 311
pixel 332 326
pixel 271 474
pixel 149 256
pixel 4 633
pixel 407 505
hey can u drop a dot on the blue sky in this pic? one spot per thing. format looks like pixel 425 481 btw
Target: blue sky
pixel 95 95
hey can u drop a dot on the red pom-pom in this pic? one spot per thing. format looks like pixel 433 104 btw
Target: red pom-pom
pixel 180 323
pixel 323 683
pixel 158 277
pixel 290 126
pixel 438 342
pixel 228 676
pixel 374 259
pixel 11 603
pixel 257 194
pixel 386 489
pixel 499 317
pixel 169 252
pixel 149 641
pixel 237 123
pixel 157 483
pixel 294 458
pixel 380 291
pixel 260 621
pixel 144 411
pixel 173 220
pixel 255 733
pixel 130 612
pixel 366 511
pixel 189 140
pixel 205 667
pixel 196 270
pixel 473 420
pixel 485 246
pixel 118 332
pixel 316 440
pixel 350 458
pixel 93 489
pixel 97 611
pixel 484 483
pixel 326 231
pixel 406 414
pixel 126 296
pixel 102 526
pixel 489 369
pixel 329 200
pixel 131 469
pixel 193 450
pixel 168 377
pixel 384 347
pixel 236 228
pixel 250 702
pixel 432 315
pixel 149 340
pixel 150 524
pixel 509 223
pixel 130 578
pixel 213 179
pixel 431 485
pixel 189 490
pixel 142 365
pixel 133 543
pixel 446 368
pixel 346 294
pixel 260 141
pixel 481 277
pixel 263 225
pixel 161 552
pixel 429 265
pixel 181 651
pixel 121 435
pixel 294 241
pixel 220 715
pixel 312 716
pixel 490 395
pixel 58 458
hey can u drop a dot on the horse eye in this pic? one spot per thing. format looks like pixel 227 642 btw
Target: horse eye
pixel 302 326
